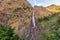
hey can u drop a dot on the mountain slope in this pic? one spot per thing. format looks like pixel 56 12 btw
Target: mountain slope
pixel 53 8
pixel 41 11
pixel 16 13
pixel 50 29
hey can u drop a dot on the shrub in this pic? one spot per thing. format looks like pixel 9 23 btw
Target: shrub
pixel 39 19
pixel 6 33
pixel 53 31
pixel 17 9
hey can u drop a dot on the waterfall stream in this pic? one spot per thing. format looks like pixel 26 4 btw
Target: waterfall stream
pixel 33 18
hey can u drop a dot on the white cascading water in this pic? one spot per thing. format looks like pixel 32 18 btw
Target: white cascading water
pixel 33 19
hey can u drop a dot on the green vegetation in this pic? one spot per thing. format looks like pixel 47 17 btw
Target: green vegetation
pixel 6 33
pixel 17 9
pixel 48 17
pixel 24 8
pixel 51 29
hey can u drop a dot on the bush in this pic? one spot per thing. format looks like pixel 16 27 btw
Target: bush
pixel 45 18
pixel 40 19
pixel 53 31
pixel 6 33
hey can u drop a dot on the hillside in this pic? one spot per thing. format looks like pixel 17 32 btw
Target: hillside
pixel 16 13
pixel 49 22
pixel 53 8
pixel 40 11
pixel 50 29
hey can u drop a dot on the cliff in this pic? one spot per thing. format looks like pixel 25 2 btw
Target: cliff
pixel 16 13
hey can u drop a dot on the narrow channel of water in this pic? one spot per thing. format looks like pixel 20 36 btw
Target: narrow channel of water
pixel 33 19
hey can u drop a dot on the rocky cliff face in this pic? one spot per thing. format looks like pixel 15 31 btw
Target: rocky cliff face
pixel 15 13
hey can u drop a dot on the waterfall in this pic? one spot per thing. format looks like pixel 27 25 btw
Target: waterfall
pixel 33 18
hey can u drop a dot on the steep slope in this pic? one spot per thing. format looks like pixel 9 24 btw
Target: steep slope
pixel 50 29
pixel 41 11
pixel 53 8
pixel 15 13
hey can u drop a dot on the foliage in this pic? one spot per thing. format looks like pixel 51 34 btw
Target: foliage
pixel 6 33
pixel 47 18
pixel 17 9
pixel 53 31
